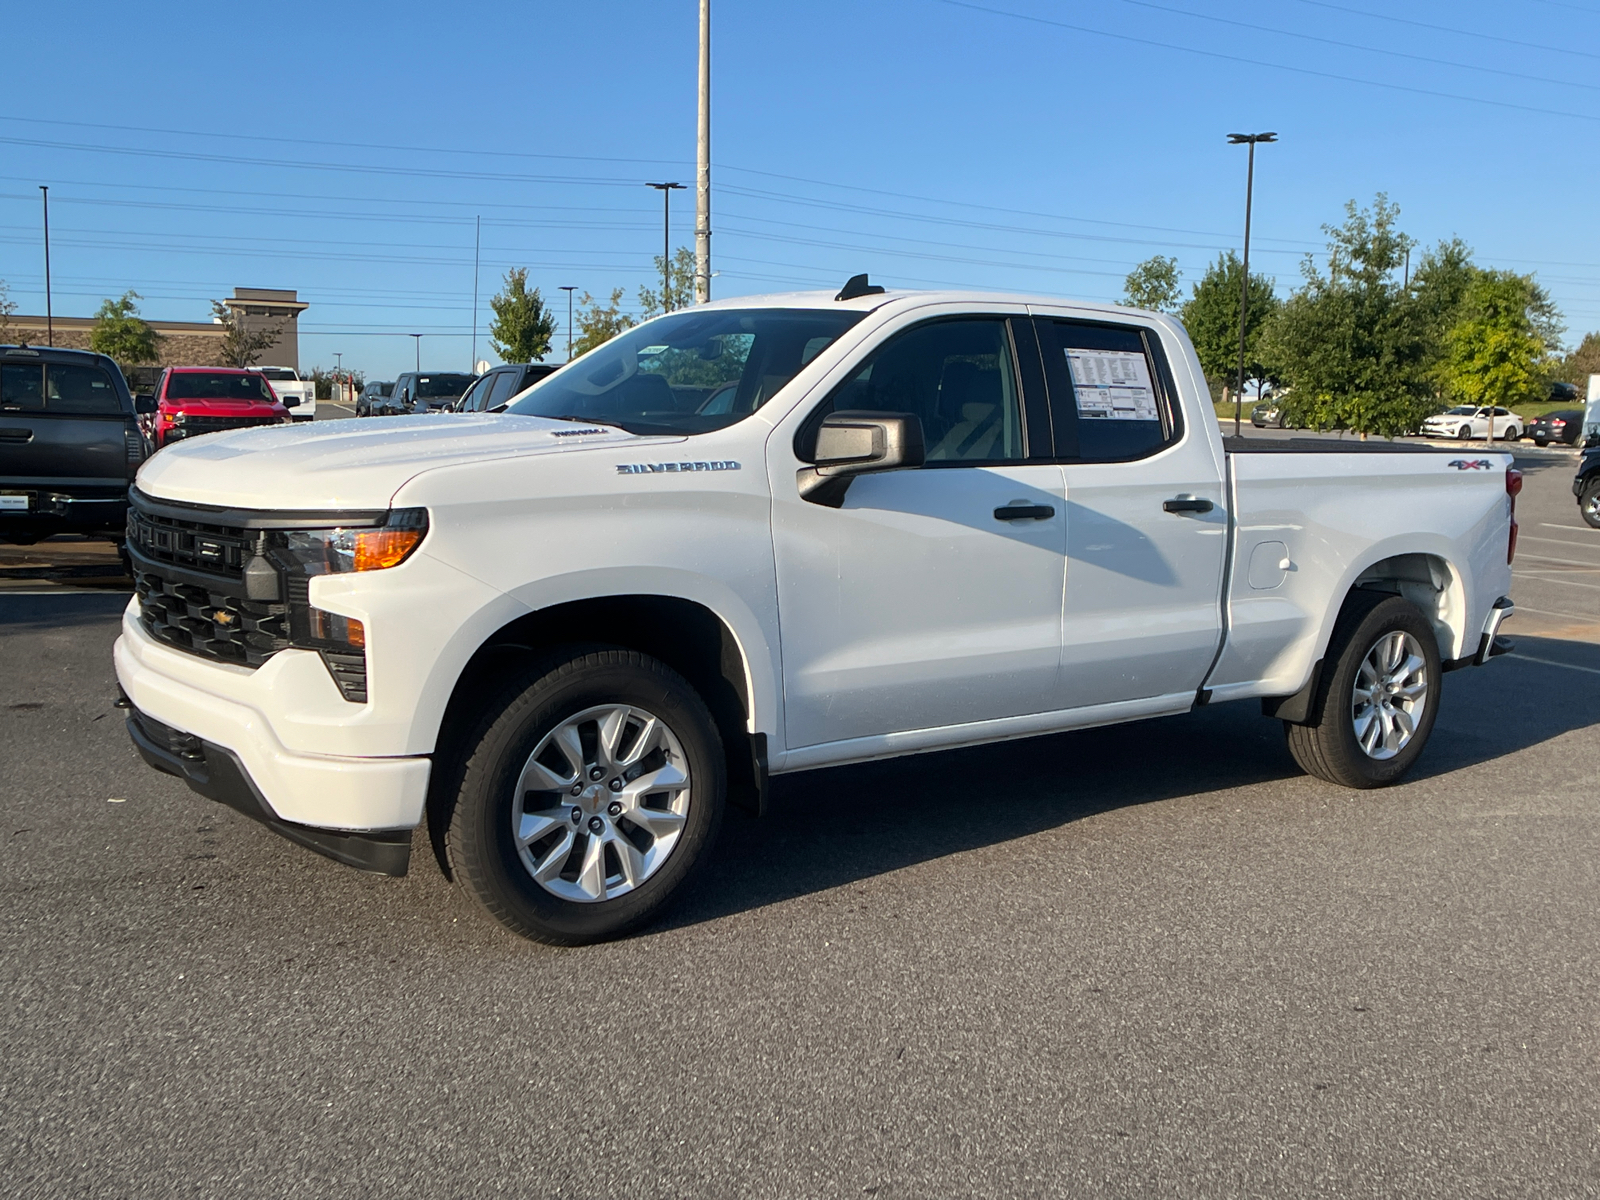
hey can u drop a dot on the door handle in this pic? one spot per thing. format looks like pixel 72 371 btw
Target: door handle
pixel 1024 512
pixel 1183 504
pixel 16 435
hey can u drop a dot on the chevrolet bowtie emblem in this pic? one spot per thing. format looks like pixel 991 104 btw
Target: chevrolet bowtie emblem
pixel 223 617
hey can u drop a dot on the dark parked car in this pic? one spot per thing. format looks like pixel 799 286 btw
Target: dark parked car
pixel 373 392
pixel 427 391
pixel 495 388
pixel 1563 426
pixel 70 443
pixel 1586 484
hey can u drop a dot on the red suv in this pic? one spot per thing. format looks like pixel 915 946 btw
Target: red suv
pixel 195 400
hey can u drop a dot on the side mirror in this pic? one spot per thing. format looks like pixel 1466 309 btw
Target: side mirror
pixel 859 443
pixel 144 403
pixel 291 401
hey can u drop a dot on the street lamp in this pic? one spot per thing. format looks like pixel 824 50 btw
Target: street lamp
pixel 666 190
pixel 569 288
pixel 418 338
pixel 1245 139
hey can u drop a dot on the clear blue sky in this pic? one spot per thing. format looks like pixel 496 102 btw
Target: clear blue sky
pixel 1041 145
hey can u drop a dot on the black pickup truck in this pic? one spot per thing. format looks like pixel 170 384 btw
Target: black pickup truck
pixel 70 443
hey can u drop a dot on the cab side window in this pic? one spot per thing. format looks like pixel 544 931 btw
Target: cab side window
pixel 85 391
pixel 505 383
pixel 22 387
pixel 1109 398
pixel 957 376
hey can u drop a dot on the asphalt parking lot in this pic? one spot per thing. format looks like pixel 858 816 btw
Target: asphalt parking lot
pixel 1152 960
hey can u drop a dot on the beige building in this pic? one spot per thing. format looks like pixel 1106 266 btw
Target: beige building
pixel 187 343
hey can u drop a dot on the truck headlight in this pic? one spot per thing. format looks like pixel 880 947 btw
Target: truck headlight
pixel 336 551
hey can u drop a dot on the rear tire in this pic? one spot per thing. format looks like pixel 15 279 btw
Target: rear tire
pixel 564 851
pixel 1541 442
pixel 1377 700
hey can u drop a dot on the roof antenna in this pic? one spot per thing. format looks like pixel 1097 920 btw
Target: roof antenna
pixel 858 286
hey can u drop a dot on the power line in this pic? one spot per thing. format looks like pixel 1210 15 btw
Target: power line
pixel 1311 37
pixel 1258 63
pixel 1487 37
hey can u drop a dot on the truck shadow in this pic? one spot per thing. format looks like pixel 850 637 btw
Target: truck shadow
pixel 837 826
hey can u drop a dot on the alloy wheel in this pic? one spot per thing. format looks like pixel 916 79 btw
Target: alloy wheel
pixel 601 803
pixel 1390 695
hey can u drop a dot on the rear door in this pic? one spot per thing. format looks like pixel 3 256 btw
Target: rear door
pixel 1146 517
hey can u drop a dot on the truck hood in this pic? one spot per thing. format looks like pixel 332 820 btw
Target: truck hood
pixel 352 464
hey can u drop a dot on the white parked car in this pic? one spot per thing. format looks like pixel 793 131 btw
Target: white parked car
pixel 299 396
pixel 768 535
pixel 1466 421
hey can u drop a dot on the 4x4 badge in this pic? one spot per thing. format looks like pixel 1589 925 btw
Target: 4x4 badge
pixel 1471 464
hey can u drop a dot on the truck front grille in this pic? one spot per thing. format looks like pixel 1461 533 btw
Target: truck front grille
pixel 195 426
pixel 211 621
pixel 215 549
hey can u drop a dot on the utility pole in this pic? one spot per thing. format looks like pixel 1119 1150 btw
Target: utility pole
pixel 569 288
pixel 338 363
pixel 49 313
pixel 1245 139
pixel 666 190
pixel 702 185
pixel 477 241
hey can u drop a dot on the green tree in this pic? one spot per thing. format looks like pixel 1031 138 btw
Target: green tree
pixel 241 347
pixel 597 324
pixel 679 281
pixel 1495 353
pixel 1354 345
pixel 1211 315
pixel 522 325
pixel 1154 284
pixel 324 379
pixel 1583 362
pixel 121 334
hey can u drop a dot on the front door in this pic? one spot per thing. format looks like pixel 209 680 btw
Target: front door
pixel 925 600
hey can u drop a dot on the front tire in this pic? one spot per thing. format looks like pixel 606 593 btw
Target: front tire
pixel 1377 702
pixel 1464 433
pixel 1589 504
pixel 589 793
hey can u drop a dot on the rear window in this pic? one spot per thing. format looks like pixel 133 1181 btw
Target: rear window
pixel 283 373
pixel 437 387
pixel 217 385
pixel 70 388
pixel 22 387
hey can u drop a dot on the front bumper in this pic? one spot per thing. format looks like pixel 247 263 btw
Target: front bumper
pixel 217 773
pixel 347 794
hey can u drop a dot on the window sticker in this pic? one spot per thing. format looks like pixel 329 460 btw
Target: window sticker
pixel 1113 385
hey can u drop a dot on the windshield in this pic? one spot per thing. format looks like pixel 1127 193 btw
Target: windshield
pixel 283 373
pixel 690 372
pixel 1461 410
pixel 217 385
pixel 437 387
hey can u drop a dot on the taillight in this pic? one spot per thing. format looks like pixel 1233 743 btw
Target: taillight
pixel 1513 489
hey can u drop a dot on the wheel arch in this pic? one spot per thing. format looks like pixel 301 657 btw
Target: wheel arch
pixel 687 635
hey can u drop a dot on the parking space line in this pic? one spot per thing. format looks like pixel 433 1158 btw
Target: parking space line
pixel 1554 525
pixel 1545 612
pixel 1550 662
pixel 1547 578
pixel 1570 562
pixel 1529 537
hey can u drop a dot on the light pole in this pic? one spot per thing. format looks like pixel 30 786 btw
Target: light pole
pixel 338 361
pixel 702 170
pixel 477 242
pixel 569 288
pixel 49 314
pixel 666 190
pixel 1245 139
pixel 418 339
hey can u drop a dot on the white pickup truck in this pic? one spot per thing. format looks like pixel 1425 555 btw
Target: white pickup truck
pixel 766 535
pixel 287 383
